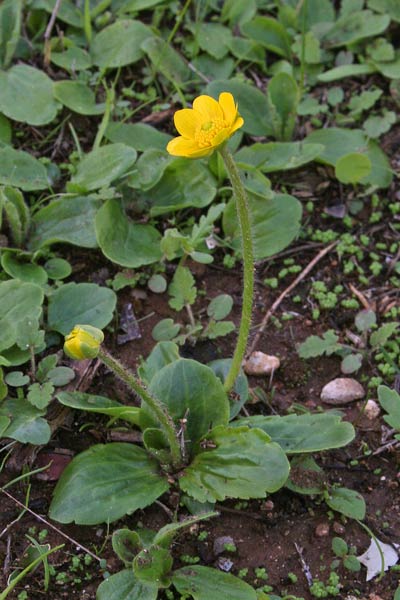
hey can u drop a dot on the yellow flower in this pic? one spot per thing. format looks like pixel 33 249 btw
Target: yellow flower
pixel 83 342
pixel 205 126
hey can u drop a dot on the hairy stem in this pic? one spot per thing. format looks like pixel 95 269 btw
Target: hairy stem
pixel 243 213
pixel 158 409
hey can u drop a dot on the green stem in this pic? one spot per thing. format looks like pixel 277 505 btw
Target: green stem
pixel 160 411
pixel 243 213
pixel 110 97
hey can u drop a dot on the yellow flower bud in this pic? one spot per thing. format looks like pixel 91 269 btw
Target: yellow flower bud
pixel 83 342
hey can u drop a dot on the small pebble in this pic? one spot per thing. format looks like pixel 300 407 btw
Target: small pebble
pixel 220 543
pixel 268 505
pixel 322 530
pixel 372 410
pixel 342 391
pixel 261 364
pixel 224 564
pixel 338 528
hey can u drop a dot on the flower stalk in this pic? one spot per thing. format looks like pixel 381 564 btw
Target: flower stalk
pixel 243 214
pixel 159 410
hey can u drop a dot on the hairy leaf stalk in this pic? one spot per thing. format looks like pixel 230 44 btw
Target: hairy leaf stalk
pixel 159 410
pixel 243 213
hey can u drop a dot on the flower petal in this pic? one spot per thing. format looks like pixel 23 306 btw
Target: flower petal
pixel 221 136
pixel 181 146
pixel 186 121
pixel 229 107
pixel 237 124
pixel 208 108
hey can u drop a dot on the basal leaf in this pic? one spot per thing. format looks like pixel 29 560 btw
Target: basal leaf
pixel 348 502
pixel 137 135
pixel 27 423
pixel 191 390
pixel 10 27
pixel 119 44
pixel 78 97
pixel 105 483
pixel 100 404
pixel 86 303
pixel 269 33
pixel 21 170
pixel 182 184
pixel 72 59
pixel 350 29
pixel 125 586
pixel 338 142
pixel 353 168
pixel 18 301
pixel 104 165
pixel 390 402
pixel 66 220
pixel 278 156
pixel 162 354
pixel 303 433
pixel 166 60
pixel 26 94
pixel 343 71
pixel 235 463
pixel 275 222
pixel 204 583
pixel 123 242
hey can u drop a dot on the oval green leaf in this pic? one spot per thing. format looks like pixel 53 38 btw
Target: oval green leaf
pixel 104 165
pixel 353 168
pixel 67 220
pixel 119 44
pixel 105 483
pixel 191 390
pixel 235 462
pixel 26 94
pixel 86 303
pixel 204 583
pixel 20 169
pixel 125 586
pixel 123 242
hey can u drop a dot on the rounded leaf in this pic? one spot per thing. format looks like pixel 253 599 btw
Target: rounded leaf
pixel 105 483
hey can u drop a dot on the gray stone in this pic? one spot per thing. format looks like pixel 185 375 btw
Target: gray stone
pixel 372 410
pixel 261 364
pixel 220 543
pixel 341 391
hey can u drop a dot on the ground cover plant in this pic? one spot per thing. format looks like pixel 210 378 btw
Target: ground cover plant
pixel 185 190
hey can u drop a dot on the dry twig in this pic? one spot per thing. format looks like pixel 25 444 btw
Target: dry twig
pixel 47 33
pixel 48 524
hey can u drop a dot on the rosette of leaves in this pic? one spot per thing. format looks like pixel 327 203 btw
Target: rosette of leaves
pixel 219 459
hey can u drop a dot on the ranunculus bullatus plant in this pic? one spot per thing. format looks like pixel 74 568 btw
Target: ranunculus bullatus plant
pixel 205 126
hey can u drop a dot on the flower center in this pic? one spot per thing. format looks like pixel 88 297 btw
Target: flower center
pixel 207 132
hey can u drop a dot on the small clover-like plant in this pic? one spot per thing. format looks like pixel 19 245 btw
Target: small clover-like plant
pixel 369 340
pixel 346 554
pixel 23 417
pixel 217 310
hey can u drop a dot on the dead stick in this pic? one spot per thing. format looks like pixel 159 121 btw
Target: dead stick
pixel 48 524
pixel 47 33
pixel 304 565
pixel 285 292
